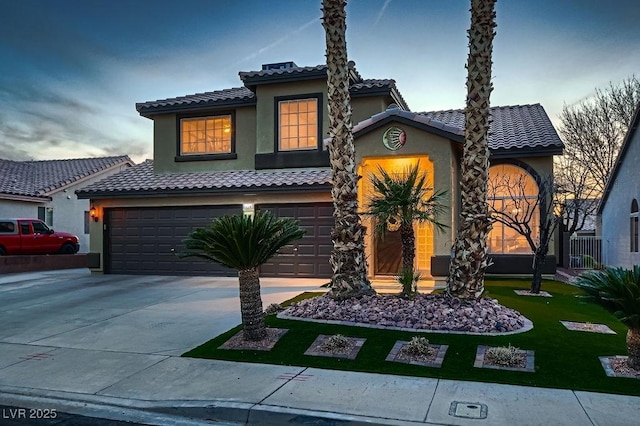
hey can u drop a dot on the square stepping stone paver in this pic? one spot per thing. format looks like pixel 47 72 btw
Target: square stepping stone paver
pixel 480 361
pixel 588 327
pixel 351 352
pixel 436 362
pixel 528 293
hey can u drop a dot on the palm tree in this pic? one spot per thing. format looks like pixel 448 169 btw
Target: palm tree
pixel 403 199
pixel 348 259
pixel 244 243
pixel 469 258
pixel 618 291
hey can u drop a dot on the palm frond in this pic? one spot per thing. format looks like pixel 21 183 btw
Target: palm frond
pixel 617 290
pixel 406 196
pixel 240 241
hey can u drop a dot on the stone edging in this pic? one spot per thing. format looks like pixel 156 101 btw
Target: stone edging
pixel 528 326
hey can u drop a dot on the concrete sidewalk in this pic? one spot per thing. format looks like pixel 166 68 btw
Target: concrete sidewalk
pixel 121 362
pixel 166 390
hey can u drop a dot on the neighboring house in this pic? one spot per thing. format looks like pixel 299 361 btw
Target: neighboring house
pixel 618 211
pixel 262 147
pixel 46 190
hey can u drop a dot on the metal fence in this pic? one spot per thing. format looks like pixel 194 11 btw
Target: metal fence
pixel 585 252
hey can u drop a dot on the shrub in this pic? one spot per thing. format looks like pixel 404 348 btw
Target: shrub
pixel 504 355
pixel 273 308
pixel 418 346
pixel 336 343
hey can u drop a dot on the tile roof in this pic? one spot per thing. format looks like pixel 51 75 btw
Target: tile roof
pixel 39 178
pixel 248 76
pixel 419 118
pixel 512 127
pixel 142 179
pixel 236 95
pixel 245 95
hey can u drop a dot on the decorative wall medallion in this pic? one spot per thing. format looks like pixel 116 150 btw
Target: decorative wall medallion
pixel 394 138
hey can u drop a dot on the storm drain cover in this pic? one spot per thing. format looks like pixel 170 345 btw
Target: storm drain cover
pixel 468 410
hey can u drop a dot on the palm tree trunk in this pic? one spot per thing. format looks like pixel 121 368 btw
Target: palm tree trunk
pixel 348 258
pixel 633 348
pixel 408 246
pixel 251 305
pixel 469 260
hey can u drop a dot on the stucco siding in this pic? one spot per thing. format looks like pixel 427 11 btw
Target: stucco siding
pixel 14 209
pixel 165 147
pixel 616 211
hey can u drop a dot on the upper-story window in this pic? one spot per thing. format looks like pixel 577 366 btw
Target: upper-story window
pixel 298 124
pixel 206 135
pixel 633 234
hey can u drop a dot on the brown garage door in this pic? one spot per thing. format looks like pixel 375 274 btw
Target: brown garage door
pixel 141 240
pixel 308 257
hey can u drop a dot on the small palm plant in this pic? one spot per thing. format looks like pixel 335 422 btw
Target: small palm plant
pixel 244 243
pixel 618 291
pixel 398 200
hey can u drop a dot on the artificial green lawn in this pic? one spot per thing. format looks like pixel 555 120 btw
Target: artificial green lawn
pixel 563 358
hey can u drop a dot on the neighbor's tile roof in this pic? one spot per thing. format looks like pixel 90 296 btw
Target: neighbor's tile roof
pixel 142 179
pixel 512 127
pixel 236 95
pixel 38 178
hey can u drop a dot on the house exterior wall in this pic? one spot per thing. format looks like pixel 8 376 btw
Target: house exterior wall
pixel 615 225
pixel 266 109
pixel 69 210
pixel 441 153
pixel 96 228
pixel 15 209
pixel 166 137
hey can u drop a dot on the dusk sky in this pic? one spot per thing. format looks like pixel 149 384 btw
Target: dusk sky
pixel 71 71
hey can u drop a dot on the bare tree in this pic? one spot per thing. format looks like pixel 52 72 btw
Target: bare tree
pixel 592 132
pixel 531 216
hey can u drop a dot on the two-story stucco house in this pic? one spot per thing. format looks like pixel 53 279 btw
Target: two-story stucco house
pixel 262 146
pixel 618 211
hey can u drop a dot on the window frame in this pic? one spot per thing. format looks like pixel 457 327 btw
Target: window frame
pixel 183 157
pixel 532 174
pixel 633 227
pixel 318 97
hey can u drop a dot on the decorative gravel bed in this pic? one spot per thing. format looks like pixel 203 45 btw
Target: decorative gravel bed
pixel 424 312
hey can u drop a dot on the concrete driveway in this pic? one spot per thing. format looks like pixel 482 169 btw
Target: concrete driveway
pixel 125 313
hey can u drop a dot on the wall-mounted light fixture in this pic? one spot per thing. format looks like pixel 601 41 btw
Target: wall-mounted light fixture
pixel 248 209
pixel 93 212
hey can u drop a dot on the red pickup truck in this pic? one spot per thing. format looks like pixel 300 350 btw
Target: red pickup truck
pixel 33 236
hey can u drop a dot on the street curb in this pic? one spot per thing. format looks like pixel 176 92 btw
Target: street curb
pixel 179 412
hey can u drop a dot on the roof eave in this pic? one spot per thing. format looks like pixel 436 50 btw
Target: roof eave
pixel 250 82
pixel 403 120
pixel 149 112
pixel 540 151
pixel 623 150
pixel 181 192
pixel 24 198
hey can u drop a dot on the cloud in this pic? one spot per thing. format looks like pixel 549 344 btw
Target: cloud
pixel 277 42
pixel 381 12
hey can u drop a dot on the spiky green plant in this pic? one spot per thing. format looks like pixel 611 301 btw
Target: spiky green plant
pixel 244 243
pixel 408 279
pixel 618 291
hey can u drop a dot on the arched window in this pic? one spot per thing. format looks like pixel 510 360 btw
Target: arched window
pixel 633 235
pixel 512 189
